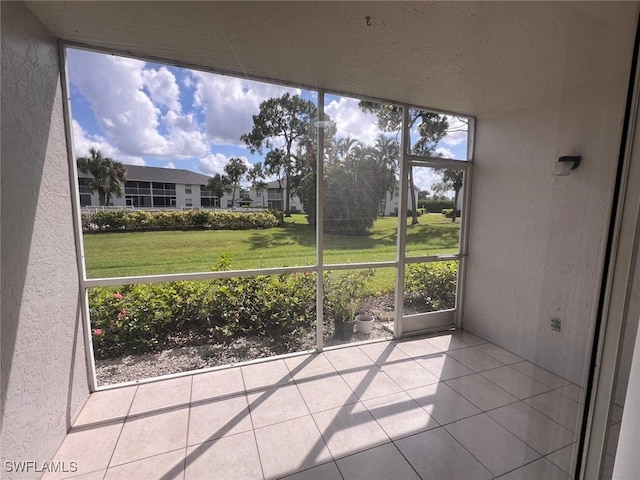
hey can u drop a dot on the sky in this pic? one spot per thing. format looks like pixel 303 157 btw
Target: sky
pixel 144 113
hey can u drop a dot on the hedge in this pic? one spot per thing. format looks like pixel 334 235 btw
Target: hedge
pixel 434 206
pixel 135 319
pixel 136 220
pixel 448 213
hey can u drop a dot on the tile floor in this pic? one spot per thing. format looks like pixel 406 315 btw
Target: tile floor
pixel 446 407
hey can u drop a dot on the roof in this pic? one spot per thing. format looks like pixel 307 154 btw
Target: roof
pixel 158 174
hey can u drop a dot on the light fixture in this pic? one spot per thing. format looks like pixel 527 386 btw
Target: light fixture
pixel 565 164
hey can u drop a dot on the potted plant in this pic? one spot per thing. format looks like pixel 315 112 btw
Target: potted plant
pixel 344 317
pixel 364 323
pixel 342 296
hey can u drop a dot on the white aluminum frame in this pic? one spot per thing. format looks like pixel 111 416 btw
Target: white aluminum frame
pixel 407 161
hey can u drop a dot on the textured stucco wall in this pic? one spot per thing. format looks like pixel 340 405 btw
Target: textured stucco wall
pixel 44 382
pixel 537 242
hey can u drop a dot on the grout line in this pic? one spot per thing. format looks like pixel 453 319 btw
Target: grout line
pixel 126 417
pixel 468 451
pixel 253 427
pixel 186 440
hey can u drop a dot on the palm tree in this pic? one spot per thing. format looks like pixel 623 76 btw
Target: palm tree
pixel 219 184
pixel 256 176
pixel 108 175
pixel 235 169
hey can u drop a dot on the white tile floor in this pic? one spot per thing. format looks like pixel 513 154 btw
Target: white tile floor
pixel 452 406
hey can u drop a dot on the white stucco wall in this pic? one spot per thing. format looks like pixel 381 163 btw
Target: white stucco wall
pixel 44 382
pixel 537 242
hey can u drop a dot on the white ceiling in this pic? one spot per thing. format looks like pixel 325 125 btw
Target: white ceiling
pixel 468 57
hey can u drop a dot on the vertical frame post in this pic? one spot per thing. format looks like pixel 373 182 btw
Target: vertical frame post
pixel 83 293
pixel 320 225
pixel 402 223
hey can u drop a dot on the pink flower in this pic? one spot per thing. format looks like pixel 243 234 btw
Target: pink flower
pixel 97 332
pixel 117 296
pixel 122 314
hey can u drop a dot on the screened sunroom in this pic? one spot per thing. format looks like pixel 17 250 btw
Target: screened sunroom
pixel 462 174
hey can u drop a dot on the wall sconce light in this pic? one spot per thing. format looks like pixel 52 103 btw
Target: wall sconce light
pixel 565 164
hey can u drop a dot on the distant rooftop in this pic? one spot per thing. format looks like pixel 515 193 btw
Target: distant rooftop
pixel 159 174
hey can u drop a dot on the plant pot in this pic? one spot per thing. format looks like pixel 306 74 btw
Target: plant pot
pixel 344 331
pixel 364 323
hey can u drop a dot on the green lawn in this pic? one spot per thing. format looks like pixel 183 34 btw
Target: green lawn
pixel 293 244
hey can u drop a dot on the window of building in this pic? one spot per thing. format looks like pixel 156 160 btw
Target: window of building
pixel 187 189
pixel 188 202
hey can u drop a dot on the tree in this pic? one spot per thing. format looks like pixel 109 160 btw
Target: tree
pixel 235 170
pixel 108 175
pixel 357 179
pixel 219 184
pixel 288 120
pixel 451 180
pixel 431 128
pixel 256 176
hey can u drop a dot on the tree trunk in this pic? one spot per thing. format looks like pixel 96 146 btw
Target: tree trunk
pixel 455 205
pixel 287 200
pixel 414 210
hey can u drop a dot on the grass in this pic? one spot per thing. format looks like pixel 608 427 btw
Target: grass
pixel 293 244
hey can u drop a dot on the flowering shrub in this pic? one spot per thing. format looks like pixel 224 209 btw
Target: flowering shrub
pixel 107 220
pixel 432 285
pixel 143 318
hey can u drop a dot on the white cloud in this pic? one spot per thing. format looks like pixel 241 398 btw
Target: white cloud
pixel 424 178
pixel 130 119
pixel 229 104
pixel 170 165
pixel 215 162
pixel 445 152
pixel 113 87
pixel 351 121
pixel 83 142
pixel 187 80
pixel 162 87
pixel 457 132
pixel 185 137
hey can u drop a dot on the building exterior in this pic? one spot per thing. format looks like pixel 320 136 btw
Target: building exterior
pixel 156 187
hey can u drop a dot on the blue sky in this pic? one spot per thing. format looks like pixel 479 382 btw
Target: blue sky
pixel 144 113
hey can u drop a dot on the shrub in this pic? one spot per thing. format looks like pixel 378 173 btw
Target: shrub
pixel 132 320
pixel 343 292
pixel 279 214
pixel 448 213
pixel 110 219
pixel 179 220
pixel 434 206
pixel 142 318
pixel 432 285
